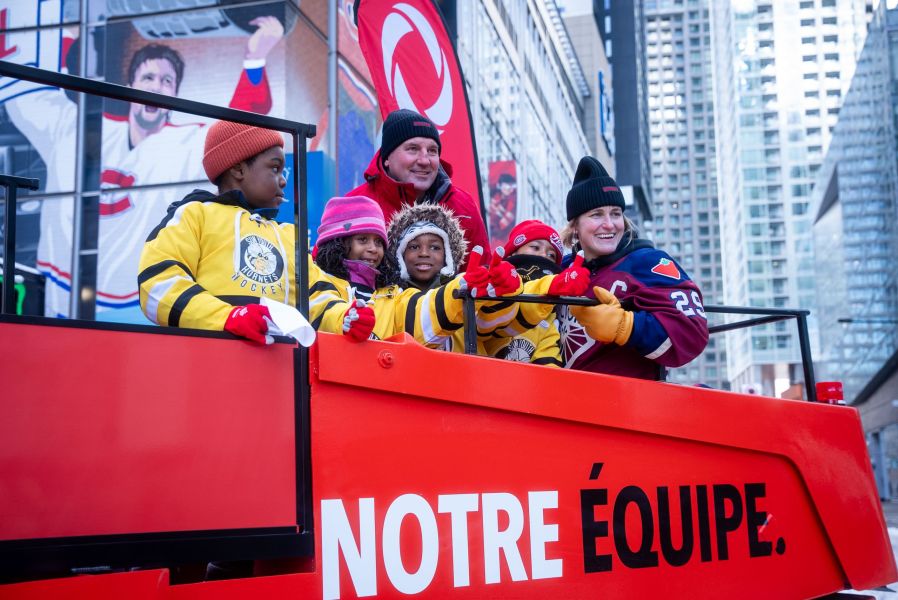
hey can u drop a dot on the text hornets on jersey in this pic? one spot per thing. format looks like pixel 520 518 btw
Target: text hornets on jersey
pixel 260 262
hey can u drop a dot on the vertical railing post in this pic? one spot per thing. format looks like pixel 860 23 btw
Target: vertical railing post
pixel 11 183
pixel 470 324
pixel 9 251
pixel 305 508
pixel 805 345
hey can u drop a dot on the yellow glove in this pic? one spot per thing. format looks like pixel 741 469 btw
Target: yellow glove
pixel 606 322
pixel 605 297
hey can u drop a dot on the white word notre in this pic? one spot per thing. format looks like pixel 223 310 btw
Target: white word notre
pixel 360 554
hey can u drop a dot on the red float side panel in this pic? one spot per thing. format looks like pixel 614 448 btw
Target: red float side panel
pixel 104 432
pixel 568 483
pixel 154 585
pixel 442 475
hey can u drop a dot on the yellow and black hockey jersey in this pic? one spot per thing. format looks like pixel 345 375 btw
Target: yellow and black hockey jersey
pixel 532 334
pixel 209 254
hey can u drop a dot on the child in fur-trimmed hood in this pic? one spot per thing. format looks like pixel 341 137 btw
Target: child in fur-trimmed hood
pixel 428 243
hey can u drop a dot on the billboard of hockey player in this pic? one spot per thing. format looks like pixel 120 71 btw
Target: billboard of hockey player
pixel 147 146
pixel 148 157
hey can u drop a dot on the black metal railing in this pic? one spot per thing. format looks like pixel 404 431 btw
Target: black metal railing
pixel 12 185
pixel 769 315
pixel 135 549
pixel 772 315
pixel 299 133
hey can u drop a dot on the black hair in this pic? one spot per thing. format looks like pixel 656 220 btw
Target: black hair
pixel 332 253
pixel 506 178
pixel 157 52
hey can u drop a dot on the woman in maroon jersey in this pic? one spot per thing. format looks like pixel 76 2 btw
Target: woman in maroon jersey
pixel 650 312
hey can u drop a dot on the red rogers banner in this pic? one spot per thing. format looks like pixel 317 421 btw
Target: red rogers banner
pixel 413 65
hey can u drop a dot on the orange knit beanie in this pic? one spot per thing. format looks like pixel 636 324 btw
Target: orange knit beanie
pixel 228 143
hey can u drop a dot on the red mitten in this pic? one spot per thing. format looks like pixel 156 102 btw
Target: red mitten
pixel 249 322
pixel 573 281
pixel 358 322
pixel 477 276
pixel 504 278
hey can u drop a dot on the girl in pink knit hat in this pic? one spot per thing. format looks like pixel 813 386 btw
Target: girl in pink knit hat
pixel 351 258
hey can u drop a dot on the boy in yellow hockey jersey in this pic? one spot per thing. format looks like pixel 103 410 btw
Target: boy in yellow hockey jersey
pixel 535 250
pixel 213 257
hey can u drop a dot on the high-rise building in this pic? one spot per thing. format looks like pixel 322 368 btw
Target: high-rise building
pixel 684 169
pixel 781 69
pixel 622 28
pixel 598 114
pixel 855 201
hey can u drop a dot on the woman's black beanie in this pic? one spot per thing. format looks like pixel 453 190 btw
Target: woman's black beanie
pixel 592 188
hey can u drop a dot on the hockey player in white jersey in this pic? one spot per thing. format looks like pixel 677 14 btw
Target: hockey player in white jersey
pixel 142 148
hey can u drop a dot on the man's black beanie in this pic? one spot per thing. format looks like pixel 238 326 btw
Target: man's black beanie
pixel 592 188
pixel 404 124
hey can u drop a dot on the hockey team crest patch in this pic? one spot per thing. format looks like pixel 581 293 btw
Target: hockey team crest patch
pixel 667 268
pixel 519 349
pixel 259 260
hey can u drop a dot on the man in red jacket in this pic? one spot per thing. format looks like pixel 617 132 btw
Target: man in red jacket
pixel 408 170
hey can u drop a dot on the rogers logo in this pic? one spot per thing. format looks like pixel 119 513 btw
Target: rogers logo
pixel 403 20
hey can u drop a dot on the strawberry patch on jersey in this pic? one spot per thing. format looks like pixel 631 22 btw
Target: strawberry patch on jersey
pixel 667 268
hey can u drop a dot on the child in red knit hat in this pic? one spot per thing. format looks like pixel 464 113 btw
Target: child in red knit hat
pixel 535 238
pixel 213 257
pixel 535 250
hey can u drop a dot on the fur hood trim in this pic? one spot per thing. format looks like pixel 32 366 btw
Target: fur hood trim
pixel 413 220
